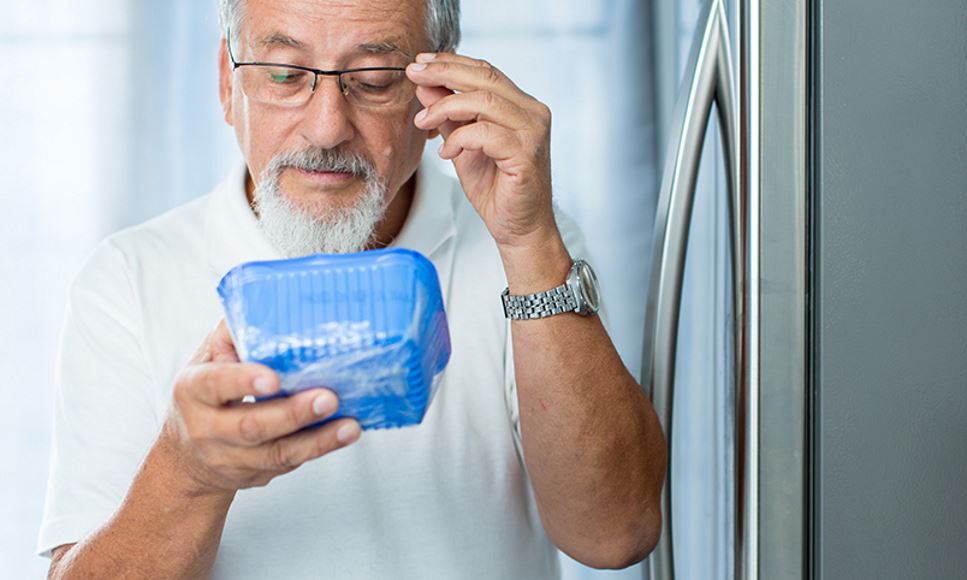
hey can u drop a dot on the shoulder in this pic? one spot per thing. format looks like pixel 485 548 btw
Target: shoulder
pixel 109 275
pixel 181 228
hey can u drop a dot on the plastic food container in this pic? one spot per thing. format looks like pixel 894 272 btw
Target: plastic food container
pixel 370 326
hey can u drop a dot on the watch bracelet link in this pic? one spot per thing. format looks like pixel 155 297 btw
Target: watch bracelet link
pixel 540 305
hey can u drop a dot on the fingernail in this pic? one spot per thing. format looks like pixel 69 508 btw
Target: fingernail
pixel 324 404
pixel 417 67
pixel 425 57
pixel 347 433
pixel 421 116
pixel 264 384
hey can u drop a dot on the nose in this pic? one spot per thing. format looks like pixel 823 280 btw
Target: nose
pixel 327 121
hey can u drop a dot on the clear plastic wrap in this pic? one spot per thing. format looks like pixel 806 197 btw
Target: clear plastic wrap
pixel 370 326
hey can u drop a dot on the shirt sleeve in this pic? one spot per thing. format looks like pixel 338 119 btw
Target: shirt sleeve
pixel 574 242
pixel 104 417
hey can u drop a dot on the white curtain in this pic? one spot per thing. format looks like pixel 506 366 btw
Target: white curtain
pixel 108 115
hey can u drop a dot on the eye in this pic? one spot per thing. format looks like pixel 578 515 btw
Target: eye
pixel 287 76
pixel 374 81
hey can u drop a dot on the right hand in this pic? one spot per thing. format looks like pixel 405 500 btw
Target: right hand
pixel 226 445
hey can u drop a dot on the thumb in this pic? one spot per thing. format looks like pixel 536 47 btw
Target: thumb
pixel 218 346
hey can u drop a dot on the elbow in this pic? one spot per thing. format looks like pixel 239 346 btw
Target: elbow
pixel 58 560
pixel 620 551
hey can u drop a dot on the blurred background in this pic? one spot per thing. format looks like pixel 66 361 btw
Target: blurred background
pixel 109 115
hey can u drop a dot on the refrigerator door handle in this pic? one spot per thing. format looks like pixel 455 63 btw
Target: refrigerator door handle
pixel 708 80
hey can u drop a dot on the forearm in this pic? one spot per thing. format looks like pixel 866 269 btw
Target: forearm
pixel 163 529
pixel 592 443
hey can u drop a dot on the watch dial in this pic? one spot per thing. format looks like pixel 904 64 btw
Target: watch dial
pixel 589 286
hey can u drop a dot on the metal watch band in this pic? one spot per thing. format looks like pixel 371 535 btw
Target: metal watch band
pixel 541 305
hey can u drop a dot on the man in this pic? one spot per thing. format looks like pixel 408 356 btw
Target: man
pixel 538 436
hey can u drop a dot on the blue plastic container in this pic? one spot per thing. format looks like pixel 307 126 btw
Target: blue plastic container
pixel 370 326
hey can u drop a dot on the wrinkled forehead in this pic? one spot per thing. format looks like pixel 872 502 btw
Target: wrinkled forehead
pixel 334 28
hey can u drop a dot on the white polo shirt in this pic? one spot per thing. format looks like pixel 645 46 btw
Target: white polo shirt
pixel 447 499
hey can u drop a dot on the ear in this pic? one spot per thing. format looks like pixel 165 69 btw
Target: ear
pixel 225 87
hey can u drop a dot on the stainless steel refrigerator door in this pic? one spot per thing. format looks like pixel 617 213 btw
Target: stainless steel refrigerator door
pixel 891 290
pixel 762 106
pixel 708 80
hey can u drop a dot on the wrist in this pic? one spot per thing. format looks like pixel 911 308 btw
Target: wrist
pixel 537 264
pixel 181 474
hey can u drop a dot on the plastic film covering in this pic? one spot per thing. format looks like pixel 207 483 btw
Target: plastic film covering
pixel 370 326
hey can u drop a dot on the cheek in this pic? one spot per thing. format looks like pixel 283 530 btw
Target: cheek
pixel 261 136
pixel 392 143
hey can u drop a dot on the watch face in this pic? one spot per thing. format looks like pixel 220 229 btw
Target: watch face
pixel 585 284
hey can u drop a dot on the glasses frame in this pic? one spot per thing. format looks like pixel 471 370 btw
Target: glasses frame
pixel 343 88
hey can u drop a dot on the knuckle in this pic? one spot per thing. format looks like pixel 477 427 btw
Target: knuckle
pixel 493 75
pixel 280 457
pixel 544 112
pixel 260 481
pixel 294 413
pixel 250 428
pixel 209 382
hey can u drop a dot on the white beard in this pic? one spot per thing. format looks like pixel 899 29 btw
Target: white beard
pixel 295 231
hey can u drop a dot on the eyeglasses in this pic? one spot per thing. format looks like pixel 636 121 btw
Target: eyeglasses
pixel 288 85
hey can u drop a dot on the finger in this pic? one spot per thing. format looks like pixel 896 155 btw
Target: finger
pixel 475 106
pixel 494 141
pixel 218 346
pixel 430 95
pixel 451 57
pixel 222 344
pixel 253 425
pixel 290 452
pixel 464 78
pixel 215 384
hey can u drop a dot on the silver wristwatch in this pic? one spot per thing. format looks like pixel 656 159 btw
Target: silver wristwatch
pixel 579 294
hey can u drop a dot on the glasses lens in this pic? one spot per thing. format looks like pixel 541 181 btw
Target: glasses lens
pixel 276 85
pixel 378 88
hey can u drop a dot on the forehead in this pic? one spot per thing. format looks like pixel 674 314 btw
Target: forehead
pixel 332 25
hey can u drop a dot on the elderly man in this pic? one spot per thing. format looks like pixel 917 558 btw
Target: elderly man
pixel 538 436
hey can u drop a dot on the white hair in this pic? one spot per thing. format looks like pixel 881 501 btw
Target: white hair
pixel 442 21
pixel 300 231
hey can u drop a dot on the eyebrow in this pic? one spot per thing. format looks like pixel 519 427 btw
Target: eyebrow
pixel 279 39
pixel 382 47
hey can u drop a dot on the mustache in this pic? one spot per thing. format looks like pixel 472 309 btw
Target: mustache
pixel 319 159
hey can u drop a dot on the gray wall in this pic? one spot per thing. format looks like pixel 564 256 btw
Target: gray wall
pixel 891 322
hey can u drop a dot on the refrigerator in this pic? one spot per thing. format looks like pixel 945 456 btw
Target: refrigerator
pixel 806 329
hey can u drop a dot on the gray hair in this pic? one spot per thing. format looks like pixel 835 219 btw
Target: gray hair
pixel 442 21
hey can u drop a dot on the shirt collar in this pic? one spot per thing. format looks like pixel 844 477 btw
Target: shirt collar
pixel 234 237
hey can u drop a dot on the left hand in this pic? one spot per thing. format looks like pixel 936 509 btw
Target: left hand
pixel 498 138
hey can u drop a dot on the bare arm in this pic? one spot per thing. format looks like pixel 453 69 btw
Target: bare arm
pixel 592 444
pixel 170 523
pixel 598 494
pixel 164 529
